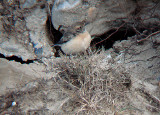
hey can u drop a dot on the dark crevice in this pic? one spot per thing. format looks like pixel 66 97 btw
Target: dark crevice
pixel 17 59
pixel 122 34
pixel 141 31
pixel 53 35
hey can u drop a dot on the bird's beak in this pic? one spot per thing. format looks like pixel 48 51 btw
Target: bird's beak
pixel 59 45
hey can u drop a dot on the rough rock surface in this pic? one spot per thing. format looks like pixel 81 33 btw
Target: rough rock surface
pixel 95 13
pixel 23 32
pixel 124 79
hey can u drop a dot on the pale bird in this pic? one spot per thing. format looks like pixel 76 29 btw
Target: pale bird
pixel 77 44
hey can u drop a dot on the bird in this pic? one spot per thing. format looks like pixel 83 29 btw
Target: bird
pixel 79 43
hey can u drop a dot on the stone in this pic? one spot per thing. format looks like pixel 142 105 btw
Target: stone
pixel 29 3
pixel 93 13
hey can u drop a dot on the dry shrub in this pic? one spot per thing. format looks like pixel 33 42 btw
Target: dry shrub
pixel 92 89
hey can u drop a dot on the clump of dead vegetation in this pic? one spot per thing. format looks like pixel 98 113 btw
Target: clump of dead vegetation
pixel 93 88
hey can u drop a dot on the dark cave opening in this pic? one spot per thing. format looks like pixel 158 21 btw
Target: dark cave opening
pixel 16 59
pixel 107 40
pixel 53 35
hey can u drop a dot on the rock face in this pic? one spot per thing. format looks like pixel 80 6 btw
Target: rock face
pixel 23 31
pixel 95 13
pixel 121 80
pixel 29 3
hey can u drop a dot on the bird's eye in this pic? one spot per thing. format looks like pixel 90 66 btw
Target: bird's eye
pixel 79 29
pixel 85 2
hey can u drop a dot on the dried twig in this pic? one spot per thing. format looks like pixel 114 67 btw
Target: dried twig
pixel 111 34
pixel 149 36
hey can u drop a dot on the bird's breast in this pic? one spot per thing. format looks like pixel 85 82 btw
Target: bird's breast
pixel 78 44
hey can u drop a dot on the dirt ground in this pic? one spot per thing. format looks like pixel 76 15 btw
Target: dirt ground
pixel 121 80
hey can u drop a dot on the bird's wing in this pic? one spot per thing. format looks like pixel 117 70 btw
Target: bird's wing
pixel 61 41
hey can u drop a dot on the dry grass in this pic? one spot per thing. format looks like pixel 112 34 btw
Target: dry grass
pixel 92 89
